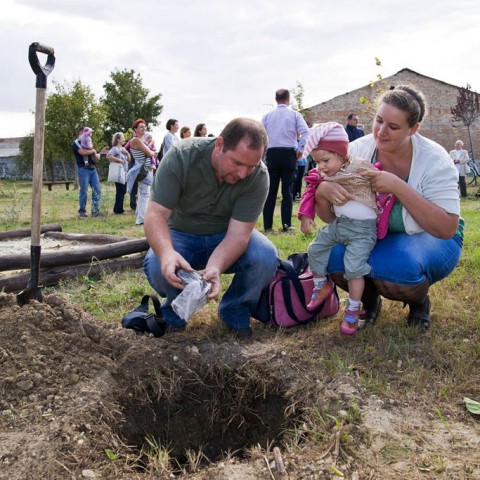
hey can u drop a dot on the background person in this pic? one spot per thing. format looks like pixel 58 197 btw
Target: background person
pixel 460 159
pixel 206 199
pixel 170 137
pixel 352 129
pixel 150 143
pixel 119 154
pixel 141 170
pixel 185 132
pixel 287 134
pixel 200 130
pixel 424 239
pixel 86 142
pixel 297 184
pixel 87 176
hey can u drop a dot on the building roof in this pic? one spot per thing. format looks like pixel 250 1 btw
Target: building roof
pixel 403 70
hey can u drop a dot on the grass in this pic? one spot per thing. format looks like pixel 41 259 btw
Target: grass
pixel 435 370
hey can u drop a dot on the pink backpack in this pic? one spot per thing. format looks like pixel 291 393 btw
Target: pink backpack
pixel 284 301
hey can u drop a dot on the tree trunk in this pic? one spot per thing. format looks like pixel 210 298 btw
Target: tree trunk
pixel 471 142
pixel 26 232
pixel 75 257
pixel 48 277
pixel 100 238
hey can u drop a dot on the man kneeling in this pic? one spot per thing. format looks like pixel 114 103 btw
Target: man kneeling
pixel 205 200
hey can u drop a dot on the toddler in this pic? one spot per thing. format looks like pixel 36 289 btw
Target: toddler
pixel 150 143
pixel 355 224
pixel 86 143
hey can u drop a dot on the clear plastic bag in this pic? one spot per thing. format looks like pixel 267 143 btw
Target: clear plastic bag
pixel 194 295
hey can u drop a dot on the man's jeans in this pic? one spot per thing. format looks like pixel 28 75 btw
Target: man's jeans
pixel 253 271
pixel 88 177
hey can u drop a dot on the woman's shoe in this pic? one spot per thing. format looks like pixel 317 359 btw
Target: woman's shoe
pixel 349 326
pixel 319 295
pixel 419 315
pixel 372 308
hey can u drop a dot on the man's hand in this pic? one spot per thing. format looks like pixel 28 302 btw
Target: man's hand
pixel 212 275
pixel 171 263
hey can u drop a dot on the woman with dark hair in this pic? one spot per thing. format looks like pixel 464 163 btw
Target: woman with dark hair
pixel 200 130
pixel 170 138
pixel 119 154
pixel 418 181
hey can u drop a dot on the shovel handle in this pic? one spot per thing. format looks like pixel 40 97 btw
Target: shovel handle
pixel 41 71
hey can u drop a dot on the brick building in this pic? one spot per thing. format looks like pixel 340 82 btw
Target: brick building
pixel 440 96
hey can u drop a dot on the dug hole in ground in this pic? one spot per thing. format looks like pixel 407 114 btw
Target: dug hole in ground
pixel 83 399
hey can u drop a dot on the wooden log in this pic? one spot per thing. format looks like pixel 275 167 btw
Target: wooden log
pixel 49 277
pixel 26 232
pixel 279 462
pixel 100 238
pixel 76 257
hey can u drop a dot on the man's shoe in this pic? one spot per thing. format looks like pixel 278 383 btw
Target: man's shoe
pixel 82 215
pixel 240 333
pixel 176 328
pixel 319 295
pixel 371 311
pixel 288 228
pixel 419 315
pixel 97 214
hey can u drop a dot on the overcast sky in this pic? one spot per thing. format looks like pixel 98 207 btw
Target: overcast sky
pixel 214 60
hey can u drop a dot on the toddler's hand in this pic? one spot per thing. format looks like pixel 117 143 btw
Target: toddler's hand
pixel 306 225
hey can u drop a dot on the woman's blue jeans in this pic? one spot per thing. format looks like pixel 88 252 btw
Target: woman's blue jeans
pixel 252 272
pixel 407 259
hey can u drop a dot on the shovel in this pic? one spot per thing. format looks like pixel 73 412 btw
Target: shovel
pixel 33 291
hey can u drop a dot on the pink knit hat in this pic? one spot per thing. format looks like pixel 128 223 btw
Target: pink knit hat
pixel 330 136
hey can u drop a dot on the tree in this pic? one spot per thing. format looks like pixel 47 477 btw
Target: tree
pixel 126 100
pixel 297 93
pixel 23 160
pixel 377 88
pixel 69 107
pixel 466 111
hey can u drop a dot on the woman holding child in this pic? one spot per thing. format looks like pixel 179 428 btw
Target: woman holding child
pixel 142 171
pixel 425 233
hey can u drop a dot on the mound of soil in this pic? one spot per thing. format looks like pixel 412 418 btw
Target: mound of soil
pixel 83 399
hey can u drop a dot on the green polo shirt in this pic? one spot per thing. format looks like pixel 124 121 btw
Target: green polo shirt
pixel 186 184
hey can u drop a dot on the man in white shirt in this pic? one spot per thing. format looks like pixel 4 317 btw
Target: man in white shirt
pixel 170 138
pixel 287 135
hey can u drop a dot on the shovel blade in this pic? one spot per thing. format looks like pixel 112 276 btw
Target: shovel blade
pixel 33 291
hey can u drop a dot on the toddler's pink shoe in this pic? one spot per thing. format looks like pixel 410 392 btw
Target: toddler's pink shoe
pixel 319 295
pixel 349 325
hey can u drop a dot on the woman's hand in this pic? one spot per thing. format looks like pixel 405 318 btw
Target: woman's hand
pixel 334 193
pixel 306 225
pixel 382 182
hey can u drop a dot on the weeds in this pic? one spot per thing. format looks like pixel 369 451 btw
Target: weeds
pixel 158 457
